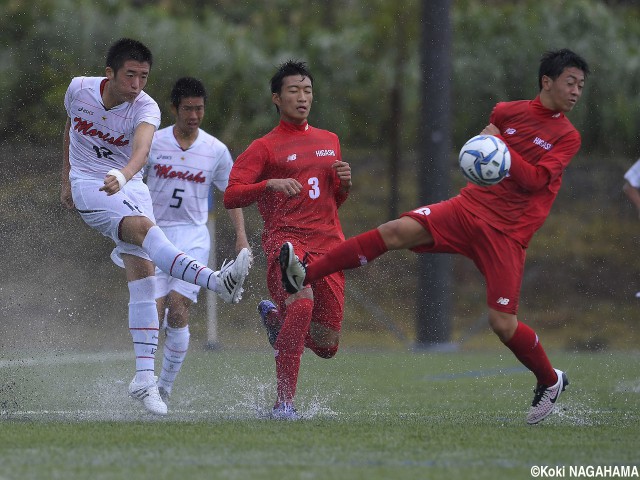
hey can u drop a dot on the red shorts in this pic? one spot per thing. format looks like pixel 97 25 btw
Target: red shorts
pixel 328 292
pixel 498 257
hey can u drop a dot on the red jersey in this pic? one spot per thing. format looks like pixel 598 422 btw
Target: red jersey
pixel 305 154
pixel 542 143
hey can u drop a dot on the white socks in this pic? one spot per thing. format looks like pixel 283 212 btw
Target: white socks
pixel 143 325
pixel 176 263
pixel 175 350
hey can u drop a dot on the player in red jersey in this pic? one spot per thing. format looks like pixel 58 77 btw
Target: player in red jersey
pixel 490 225
pixel 296 175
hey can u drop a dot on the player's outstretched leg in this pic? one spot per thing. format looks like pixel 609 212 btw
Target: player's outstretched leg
pixel 227 282
pixel 292 269
pixel 545 398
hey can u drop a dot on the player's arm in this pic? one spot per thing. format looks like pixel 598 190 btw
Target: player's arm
pixel 237 220
pixel 632 194
pixel 140 147
pixel 244 188
pixel 65 191
pixel 548 168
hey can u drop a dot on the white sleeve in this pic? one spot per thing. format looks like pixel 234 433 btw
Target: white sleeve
pixel 633 175
pixel 222 171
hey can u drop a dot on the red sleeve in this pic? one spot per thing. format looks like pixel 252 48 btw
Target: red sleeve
pixel 549 167
pixel 242 189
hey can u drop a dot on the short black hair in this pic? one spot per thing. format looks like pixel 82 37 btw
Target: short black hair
pixel 186 87
pixel 287 69
pixel 127 49
pixel 553 63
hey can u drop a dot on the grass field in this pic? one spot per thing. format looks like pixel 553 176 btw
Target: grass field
pixel 368 415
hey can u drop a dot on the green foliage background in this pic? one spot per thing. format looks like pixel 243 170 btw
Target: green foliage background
pixel 351 47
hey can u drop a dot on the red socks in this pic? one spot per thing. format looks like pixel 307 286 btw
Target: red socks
pixel 352 253
pixel 289 347
pixel 527 348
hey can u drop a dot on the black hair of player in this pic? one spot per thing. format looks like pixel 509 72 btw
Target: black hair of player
pixel 288 69
pixel 127 49
pixel 187 87
pixel 554 62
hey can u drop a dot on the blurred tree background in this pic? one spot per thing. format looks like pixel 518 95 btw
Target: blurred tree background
pixel 583 265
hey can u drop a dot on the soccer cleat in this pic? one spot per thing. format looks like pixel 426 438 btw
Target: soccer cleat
pixel 545 398
pixel 164 395
pixel 293 270
pixel 231 276
pixel 148 394
pixel 284 411
pixel 265 307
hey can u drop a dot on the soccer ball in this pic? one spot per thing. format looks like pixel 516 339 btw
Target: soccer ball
pixel 485 160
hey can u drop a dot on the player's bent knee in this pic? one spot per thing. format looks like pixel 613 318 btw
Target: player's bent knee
pixel 305 293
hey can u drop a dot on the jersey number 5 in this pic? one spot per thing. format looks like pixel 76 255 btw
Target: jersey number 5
pixel 177 197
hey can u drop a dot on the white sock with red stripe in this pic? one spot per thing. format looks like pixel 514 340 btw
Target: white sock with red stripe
pixel 176 263
pixel 175 350
pixel 143 325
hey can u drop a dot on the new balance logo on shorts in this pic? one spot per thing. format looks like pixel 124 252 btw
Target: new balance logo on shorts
pixel 502 301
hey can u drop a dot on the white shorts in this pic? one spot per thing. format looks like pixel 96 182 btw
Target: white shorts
pixel 194 240
pixel 104 213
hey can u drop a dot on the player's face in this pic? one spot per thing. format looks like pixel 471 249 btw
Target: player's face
pixel 564 92
pixel 294 99
pixel 189 114
pixel 127 83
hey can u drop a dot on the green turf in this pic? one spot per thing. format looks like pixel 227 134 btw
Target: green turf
pixel 369 415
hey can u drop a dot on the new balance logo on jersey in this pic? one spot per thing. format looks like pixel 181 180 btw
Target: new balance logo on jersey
pixel 86 128
pixel 502 301
pixel 423 211
pixel 167 171
pixel 325 153
pixel 291 157
pixel 541 143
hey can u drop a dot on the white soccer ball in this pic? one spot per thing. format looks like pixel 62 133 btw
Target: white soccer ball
pixel 485 160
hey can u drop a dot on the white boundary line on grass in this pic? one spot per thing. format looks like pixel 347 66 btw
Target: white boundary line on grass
pixel 65 359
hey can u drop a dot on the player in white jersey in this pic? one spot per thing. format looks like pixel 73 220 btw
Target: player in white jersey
pixel 109 129
pixel 631 188
pixel 184 164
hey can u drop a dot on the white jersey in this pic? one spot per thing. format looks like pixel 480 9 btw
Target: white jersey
pixel 633 175
pixel 180 180
pixel 101 139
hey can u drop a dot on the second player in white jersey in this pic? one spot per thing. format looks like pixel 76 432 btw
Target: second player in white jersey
pixel 184 165
pixel 180 180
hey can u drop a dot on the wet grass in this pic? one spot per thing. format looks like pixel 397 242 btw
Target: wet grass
pixel 367 415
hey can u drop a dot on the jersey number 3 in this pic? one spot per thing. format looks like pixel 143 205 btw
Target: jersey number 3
pixel 314 192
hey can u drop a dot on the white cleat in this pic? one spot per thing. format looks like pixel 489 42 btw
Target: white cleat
pixel 148 394
pixel 231 276
pixel 292 269
pixel 545 398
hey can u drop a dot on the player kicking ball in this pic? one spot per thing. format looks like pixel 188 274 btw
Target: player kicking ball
pixel 490 225
pixel 107 138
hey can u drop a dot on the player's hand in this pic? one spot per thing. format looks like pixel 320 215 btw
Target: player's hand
pixel 343 170
pixel 111 185
pixel 490 129
pixel 65 196
pixel 288 186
